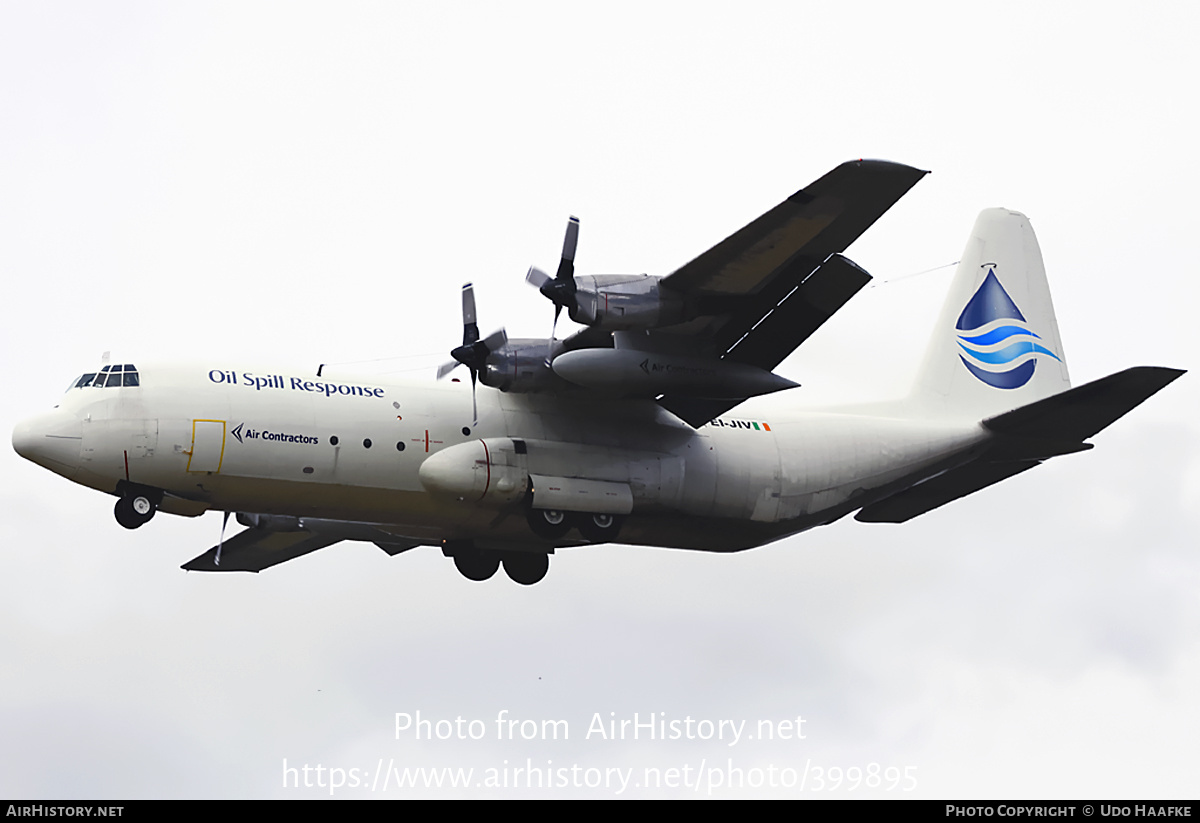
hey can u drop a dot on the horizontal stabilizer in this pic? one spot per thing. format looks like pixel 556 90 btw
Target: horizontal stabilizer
pixel 940 490
pixel 1079 413
pixel 256 549
pixel 1026 436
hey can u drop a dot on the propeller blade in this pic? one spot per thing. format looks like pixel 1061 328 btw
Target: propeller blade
pixel 473 353
pixel 496 340
pixel 560 289
pixel 566 267
pixel 470 329
pixel 537 278
pixel 474 407
pixel 553 328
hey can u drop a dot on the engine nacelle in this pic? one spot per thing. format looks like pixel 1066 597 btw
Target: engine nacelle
pixel 496 472
pixel 492 472
pixel 624 301
pixel 520 366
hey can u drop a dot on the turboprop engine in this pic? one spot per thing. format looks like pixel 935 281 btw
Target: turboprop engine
pixel 619 302
pixel 613 302
pixel 520 366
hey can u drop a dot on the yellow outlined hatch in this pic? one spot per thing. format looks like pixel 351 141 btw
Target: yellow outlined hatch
pixel 208 446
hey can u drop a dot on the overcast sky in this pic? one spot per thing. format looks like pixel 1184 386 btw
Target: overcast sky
pixel 313 182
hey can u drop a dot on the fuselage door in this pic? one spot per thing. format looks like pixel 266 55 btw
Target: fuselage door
pixel 208 446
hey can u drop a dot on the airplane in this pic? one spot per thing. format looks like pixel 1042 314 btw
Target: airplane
pixel 643 428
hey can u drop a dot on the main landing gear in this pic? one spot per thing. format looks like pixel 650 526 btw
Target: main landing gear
pixel 526 568
pixel 474 563
pixel 136 506
pixel 529 567
pixel 553 524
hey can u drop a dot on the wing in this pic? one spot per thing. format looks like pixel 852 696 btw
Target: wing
pixel 766 288
pixel 758 265
pixel 266 544
pixel 256 549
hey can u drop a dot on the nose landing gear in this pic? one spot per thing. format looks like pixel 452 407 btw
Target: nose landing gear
pixel 136 506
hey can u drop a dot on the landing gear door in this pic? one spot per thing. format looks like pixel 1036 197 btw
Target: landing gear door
pixel 208 446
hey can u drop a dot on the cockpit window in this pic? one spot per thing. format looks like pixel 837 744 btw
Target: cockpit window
pixel 101 377
pixel 108 376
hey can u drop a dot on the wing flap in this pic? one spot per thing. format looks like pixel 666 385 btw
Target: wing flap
pixel 801 313
pixel 778 334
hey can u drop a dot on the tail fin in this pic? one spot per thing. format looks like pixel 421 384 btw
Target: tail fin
pixel 996 344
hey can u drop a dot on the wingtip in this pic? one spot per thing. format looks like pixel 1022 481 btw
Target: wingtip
pixel 903 176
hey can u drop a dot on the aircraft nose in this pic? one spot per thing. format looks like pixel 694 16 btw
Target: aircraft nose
pixel 51 440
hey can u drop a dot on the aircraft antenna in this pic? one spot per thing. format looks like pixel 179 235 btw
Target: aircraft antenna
pixel 913 274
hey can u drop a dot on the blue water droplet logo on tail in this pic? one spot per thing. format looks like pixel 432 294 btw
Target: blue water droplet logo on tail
pixel 998 347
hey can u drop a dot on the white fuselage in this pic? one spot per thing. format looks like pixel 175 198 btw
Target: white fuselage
pixel 289 443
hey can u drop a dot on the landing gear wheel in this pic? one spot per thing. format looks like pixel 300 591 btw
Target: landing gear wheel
pixel 599 528
pixel 134 510
pixel 526 568
pixel 477 565
pixel 142 506
pixel 548 523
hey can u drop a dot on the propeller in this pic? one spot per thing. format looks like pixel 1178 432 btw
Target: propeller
pixel 560 289
pixel 473 353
